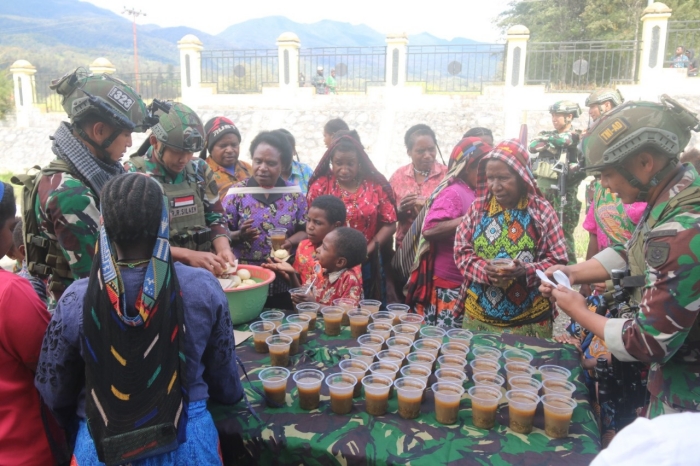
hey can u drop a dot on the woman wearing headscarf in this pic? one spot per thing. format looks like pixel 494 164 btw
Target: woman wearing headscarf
pixel 222 144
pixel 135 350
pixel 346 171
pixel 512 220
pixel 435 281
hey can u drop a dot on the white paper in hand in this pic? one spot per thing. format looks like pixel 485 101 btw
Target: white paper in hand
pixel 544 279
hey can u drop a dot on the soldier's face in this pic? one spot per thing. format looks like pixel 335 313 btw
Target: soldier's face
pixel 611 179
pixel 560 121
pixel 594 112
pixel 175 160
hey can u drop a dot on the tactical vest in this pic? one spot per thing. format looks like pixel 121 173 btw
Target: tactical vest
pixel 188 226
pixel 43 255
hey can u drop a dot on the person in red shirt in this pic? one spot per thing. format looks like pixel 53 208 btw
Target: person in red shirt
pixel 23 322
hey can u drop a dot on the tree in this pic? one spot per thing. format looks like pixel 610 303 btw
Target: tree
pixel 6 94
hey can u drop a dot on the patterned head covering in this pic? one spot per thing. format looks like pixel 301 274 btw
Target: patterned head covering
pixel 135 372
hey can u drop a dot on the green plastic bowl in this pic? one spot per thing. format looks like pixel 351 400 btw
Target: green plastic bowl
pixel 246 304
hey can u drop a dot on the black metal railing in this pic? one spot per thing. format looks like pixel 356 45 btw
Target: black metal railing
pixel 154 85
pixel 581 66
pixel 355 67
pixel 240 71
pixel 684 34
pixel 455 68
pixel 44 97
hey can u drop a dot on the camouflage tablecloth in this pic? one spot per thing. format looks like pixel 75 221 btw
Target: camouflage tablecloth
pixel 290 435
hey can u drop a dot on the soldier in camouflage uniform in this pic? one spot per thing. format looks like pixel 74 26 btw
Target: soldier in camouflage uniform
pixel 103 113
pixel 601 101
pixel 556 150
pixel 635 149
pixel 197 222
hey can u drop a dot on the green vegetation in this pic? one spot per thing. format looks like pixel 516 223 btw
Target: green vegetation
pixel 6 94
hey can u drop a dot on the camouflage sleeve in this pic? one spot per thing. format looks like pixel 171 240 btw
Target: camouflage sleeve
pixel 68 213
pixel 561 140
pixel 213 209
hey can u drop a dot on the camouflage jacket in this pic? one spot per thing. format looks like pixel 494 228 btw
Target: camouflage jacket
pixel 552 141
pixel 213 211
pixel 68 212
pixel 665 331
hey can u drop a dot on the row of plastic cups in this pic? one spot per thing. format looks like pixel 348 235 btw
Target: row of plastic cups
pixel 296 328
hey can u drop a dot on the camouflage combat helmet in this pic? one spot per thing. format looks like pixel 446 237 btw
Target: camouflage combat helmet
pixel 633 126
pixel 180 128
pixel 566 107
pixel 108 98
pixel 600 96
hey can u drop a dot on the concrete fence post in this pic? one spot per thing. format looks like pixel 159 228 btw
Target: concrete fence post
pixel 654 27
pixel 288 45
pixel 516 56
pixel 102 65
pixel 396 51
pixel 190 68
pixel 23 78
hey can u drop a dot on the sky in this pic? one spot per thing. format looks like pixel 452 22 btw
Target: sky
pixel 446 19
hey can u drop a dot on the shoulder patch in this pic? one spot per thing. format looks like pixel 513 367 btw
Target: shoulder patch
pixel 612 130
pixel 657 253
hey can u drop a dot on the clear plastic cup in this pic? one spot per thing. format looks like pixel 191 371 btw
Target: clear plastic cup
pixel 303 321
pixel 385 368
pixel 432 333
pixel 451 375
pixel 398 310
pixel 421 358
pixel 521 410
pixel 302 291
pixel 452 360
pixel 412 319
pixel 410 394
pixel 500 265
pixel 363 354
pixel 261 330
pixel 525 383
pixel 309 387
pixel 347 305
pixel 374 342
pixel 377 389
pixel 392 355
pixel 559 387
pixel 427 346
pixel 484 405
pixel 485 365
pixel 458 335
pixel 518 369
pixel 402 344
pixel 294 331
pixel 311 310
pixel 488 378
pixel 455 348
pixel 371 305
pixel 359 320
pixel 274 380
pixel 277 317
pixel 447 398
pixel 358 369
pixel 279 346
pixel 517 355
pixel 341 386
pixel 332 318
pixel 486 352
pixel 557 415
pixel 417 372
pixel 554 372
pixel 384 316
pixel 406 331
pixel 383 329
pixel 277 237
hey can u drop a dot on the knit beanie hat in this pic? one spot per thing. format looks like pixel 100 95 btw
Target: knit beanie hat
pixel 215 129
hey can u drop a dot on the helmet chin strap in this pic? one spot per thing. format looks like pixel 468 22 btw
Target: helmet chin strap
pixel 101 149
pixel 653 182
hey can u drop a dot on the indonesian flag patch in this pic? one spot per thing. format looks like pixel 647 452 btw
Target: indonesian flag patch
pixel 183 201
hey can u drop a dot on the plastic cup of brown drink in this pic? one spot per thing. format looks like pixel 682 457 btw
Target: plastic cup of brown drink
pixel 417 372
pixel 410 394
pixel 454 361
pixel 278 236
pixel 261 330
pixel 458 335
pixel 363 354
pixel 406 331
pixel 301 320
pixel 332 318
pixel 358 369
pixel 398 310
pixel 485 352
pixel 294 331
pixel 274 380
pixel 371 305
pixel 341 386
pixel 559 387
pixel 384 317
pixel 309 386
pixel 517 355
pixel 490 379
pixel 416 320
pixel 521 410
pixel 347 305
pixel 391 355
pixel 402 344
pixel 374 342
pixel 455 348
pixel 427 346
pixel 558 410
pixel 554 372
pixel 276 317
pixel 484 404
pixel 385 368
pixel 311 310
pixel 432 333
pixel 485 365
pixel 377 389
pixel 421 358
pixel 451 375
pixel 526 383
pixel 359 320
pixel 501 265
pixel 447 398
pixel 518 369
pixel 279 346
pixel 383 329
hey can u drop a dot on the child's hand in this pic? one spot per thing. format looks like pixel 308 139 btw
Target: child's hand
pixel 303 298
pixel 283 268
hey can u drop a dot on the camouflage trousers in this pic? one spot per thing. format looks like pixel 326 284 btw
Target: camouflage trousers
pixel 658 407
pixel 572 211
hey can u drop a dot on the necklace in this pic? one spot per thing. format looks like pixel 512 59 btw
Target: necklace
pixel 425 173
pixel 132 264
